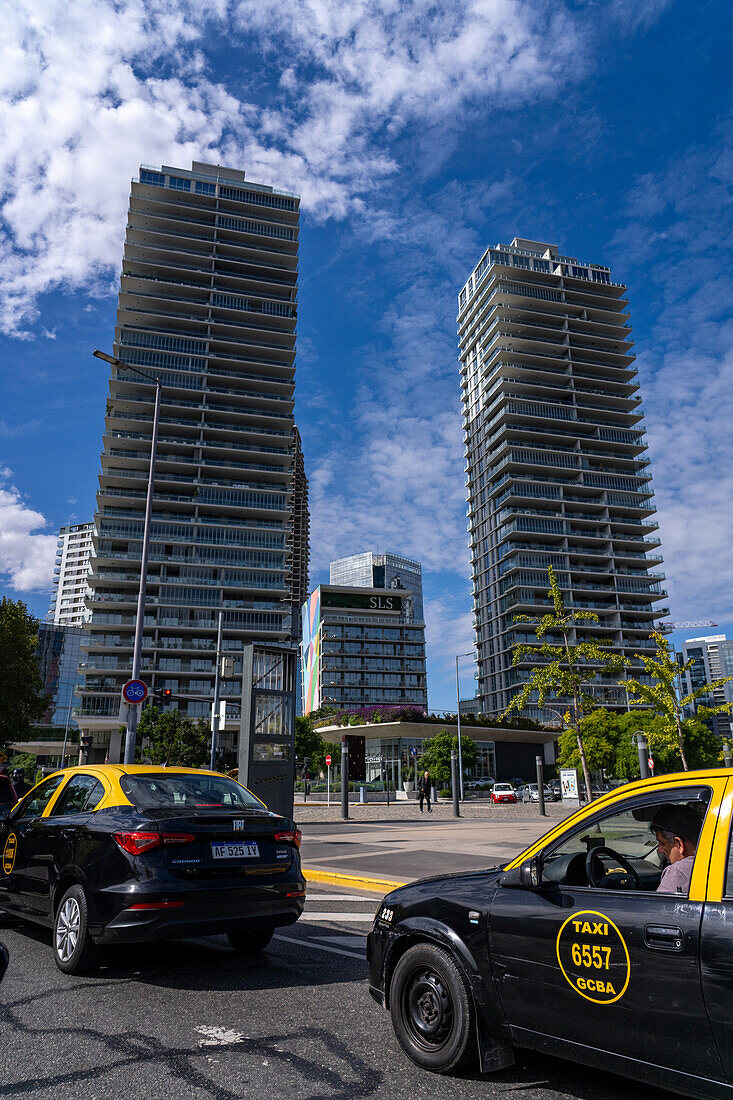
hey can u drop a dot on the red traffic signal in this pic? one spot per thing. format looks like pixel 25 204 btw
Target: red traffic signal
pixel 166 693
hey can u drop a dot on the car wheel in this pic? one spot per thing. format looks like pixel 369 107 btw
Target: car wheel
pixel 73 948
pixel 250 943
pixel 432 1010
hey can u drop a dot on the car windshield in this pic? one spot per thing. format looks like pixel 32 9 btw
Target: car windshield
pixel 179 790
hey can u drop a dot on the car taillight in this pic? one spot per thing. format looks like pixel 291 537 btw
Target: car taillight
pixel 177 838
pixel 293 836
pixel 138 842
pixel 157 905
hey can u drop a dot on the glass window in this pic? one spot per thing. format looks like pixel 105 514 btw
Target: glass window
pixel 179 184
pixel 36 801
pixel 81 794
pixel 205 188
pixel 181 790
pixel 625 833
pixel 152 177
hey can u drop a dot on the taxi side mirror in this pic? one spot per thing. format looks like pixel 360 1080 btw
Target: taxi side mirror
pixel 5 811
pixel 528 876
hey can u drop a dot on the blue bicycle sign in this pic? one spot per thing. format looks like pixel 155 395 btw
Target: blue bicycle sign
pixel 135 691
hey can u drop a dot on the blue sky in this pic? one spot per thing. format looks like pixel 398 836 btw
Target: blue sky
pixel 417 134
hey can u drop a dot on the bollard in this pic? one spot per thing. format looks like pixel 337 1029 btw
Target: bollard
pixel 727 758
pixel 362 793
pixel 540 785
pixel 454 782
pixel 643 750
pixel 344 779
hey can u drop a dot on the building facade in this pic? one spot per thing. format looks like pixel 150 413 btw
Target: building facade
pixel 556 472
pixel 208 299
pixel 713 659
pixel 59 649
pixel 300 521
pixel 73 554
pixel 360 649
pixel 372 570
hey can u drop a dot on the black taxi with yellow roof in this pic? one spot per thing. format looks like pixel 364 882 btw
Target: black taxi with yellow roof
pixel 586 946
pixel 111 853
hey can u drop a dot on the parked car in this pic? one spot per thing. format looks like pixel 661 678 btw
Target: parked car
pixel 483 781
pixel 503 792
pixel 121 854
pixel 576 947
pixel 531 793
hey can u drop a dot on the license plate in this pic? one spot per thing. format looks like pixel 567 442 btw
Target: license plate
pixel 240 850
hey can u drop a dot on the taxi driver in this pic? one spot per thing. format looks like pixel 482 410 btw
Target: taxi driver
pixel 677 829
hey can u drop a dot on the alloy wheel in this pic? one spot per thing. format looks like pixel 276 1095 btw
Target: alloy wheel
pixel 68 926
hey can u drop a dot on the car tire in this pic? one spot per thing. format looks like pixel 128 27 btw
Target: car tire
pixel 73 948
pixel 432 1010
pixel 250 943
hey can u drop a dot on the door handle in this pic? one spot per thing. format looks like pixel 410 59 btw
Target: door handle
pixel 661 937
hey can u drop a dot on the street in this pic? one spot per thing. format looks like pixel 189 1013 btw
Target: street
pixel 192 1018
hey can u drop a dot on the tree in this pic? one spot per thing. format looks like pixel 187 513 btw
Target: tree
pixel 661 693
pixel 567 669
pixel 169 737
pixel 22 699
pixel 436 752
pixel 608 739
pixel 309 744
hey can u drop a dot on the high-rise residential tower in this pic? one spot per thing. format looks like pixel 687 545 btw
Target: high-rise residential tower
pixel 555 464
pixel 299 566
pixel 372 570
pixel 207 303
pixel 73 552
pixel 713 659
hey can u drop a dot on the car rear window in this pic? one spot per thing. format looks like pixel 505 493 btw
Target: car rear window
pixel 187 792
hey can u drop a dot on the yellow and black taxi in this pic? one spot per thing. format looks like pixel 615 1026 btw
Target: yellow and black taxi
pixel 609 941
pixel 120 854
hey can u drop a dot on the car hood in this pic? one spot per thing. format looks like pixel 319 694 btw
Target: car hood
pixel 414 891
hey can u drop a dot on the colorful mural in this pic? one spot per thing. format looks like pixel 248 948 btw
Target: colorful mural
pixel 311 649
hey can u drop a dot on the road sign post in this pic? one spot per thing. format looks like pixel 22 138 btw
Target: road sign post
pixel 328 780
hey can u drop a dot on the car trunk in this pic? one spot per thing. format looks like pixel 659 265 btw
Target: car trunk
pixel 223 843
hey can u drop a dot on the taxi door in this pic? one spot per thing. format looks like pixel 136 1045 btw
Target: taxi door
pixel 14 834
pixel 716 951
pixel 612 969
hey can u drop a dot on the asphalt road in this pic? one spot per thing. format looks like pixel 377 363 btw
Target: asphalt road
pixel 193 1020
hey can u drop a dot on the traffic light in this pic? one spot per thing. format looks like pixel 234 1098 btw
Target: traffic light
pixel 86 741
pixel 162 695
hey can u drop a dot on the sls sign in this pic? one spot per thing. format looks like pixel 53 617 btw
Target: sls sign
pixel 362 601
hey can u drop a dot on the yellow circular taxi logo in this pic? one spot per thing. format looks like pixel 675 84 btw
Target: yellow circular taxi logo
pixel 11 847
pixel 593 957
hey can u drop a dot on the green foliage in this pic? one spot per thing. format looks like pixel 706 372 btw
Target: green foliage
pixel 26 761
pixel 169 737
pixel 609 745
pixel 662 697
pixel 566 670
pixel 309 743
pixel 22 700
pixel 436 752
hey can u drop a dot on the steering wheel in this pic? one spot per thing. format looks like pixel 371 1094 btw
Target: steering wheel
pixel 593 865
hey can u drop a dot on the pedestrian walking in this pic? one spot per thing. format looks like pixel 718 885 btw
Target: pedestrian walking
pixel 423 790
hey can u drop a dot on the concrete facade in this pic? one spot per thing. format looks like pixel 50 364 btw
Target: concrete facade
pixel 556 472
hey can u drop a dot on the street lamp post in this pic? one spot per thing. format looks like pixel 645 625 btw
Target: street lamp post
pixel 132 711
pixel 458 710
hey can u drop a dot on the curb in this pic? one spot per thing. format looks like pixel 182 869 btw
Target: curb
pixel 335 878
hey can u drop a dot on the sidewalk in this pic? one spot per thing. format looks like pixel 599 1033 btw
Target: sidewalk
pixel 397 844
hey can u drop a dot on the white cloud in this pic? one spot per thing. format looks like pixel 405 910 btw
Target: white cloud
pixel 26 557
pixel 675 236
pixel 91 88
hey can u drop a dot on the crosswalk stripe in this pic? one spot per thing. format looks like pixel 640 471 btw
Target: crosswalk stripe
pixel 365 918
pixel 320 947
